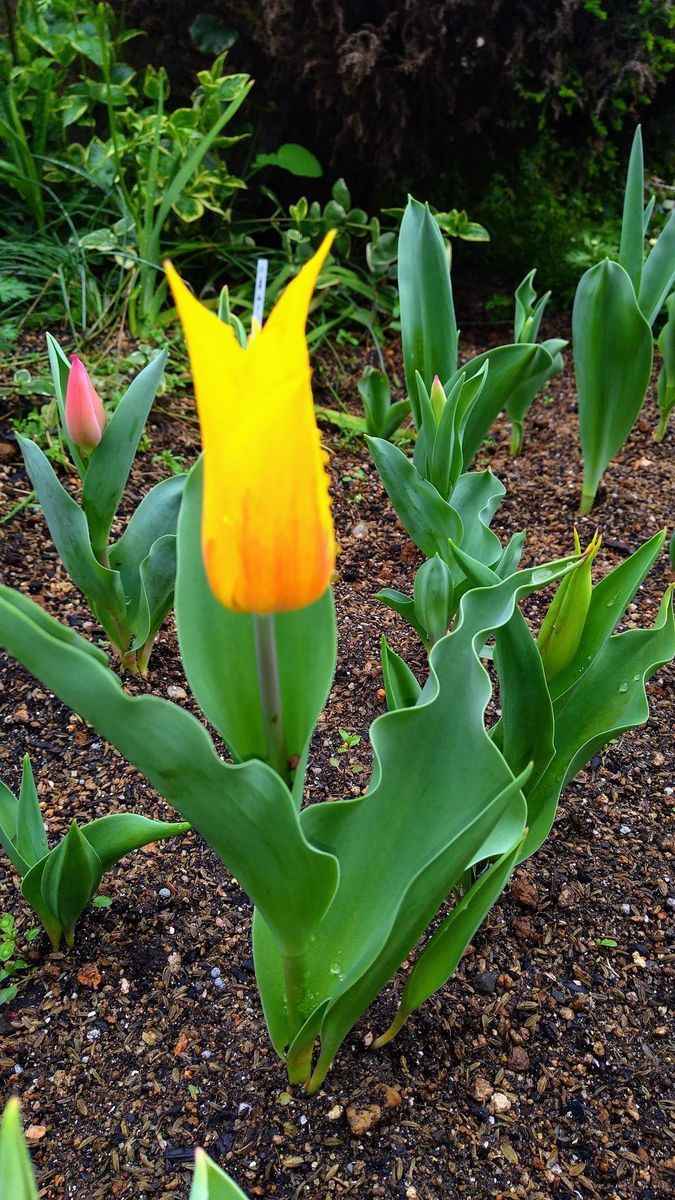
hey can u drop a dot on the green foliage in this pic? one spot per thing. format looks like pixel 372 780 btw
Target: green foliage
pixel 665 387
pixel 616 304
pixel 60 883
pixel 529 313
pixel 129 585
pixel 12 962
pixel 383 417
pixel 17 1180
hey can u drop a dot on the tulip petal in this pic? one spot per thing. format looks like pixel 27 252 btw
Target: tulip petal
pixel 267 533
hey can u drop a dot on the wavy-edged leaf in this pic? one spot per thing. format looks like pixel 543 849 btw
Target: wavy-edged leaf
pixel 440 793
pixel 245 812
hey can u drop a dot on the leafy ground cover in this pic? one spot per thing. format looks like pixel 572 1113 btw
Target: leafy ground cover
pixel 541 1069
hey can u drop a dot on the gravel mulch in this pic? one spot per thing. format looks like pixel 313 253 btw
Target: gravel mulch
pixel 543 1068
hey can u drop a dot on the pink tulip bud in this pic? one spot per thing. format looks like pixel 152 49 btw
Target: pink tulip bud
pixel 85 417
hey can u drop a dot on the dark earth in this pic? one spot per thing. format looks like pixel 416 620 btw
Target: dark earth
pixel 543 1069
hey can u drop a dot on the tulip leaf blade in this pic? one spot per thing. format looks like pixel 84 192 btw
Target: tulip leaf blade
pixel 428 324
pixel 209 1182
pixel 245 812
pixel 428 518
pixel 439 957
pixel 70 534
pixel 631 249
pixel 17 1181
pixel 401 687
pixel 608 699
pixel 613 352
pixel 658 275
pixel 31 839
pixel 510 368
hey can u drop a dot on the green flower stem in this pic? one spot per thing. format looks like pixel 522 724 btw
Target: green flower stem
pixel 270 695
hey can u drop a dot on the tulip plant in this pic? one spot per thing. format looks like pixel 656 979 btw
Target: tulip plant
pixel 60 883
pixel 615 307
pixel 430 338
pixel 529 313
pixel 344 892
pixel 129 584
pixel 17 1178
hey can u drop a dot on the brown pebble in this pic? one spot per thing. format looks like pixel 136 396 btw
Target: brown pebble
pixel 525 893
pixel 519 1059
pixel 481 1089
pixel 362 1119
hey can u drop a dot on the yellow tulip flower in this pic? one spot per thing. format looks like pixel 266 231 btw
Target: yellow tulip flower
pixel 267 533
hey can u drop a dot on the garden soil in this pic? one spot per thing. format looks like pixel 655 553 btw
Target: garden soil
pixel 542 1069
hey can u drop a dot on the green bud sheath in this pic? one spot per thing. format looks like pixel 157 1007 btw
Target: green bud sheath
pixel 564 622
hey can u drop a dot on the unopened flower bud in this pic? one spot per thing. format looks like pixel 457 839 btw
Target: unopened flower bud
pixel 85 416
pixel 564 622
pixel 437 397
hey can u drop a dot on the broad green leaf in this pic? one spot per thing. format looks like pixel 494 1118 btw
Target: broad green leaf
pixel 400 685
pixel 116 835
pixel 31 839
pixel 17 1181
pixel 510 366
pixel 210 1183
pixel 156 515
pixel 613 350
pixel 609 600
pixel 110 463
pixel 292 158
pixel 158 580
pixel 9 812
pixel 607 700
pixel 70 534
pixel 426 516
pixel 475 498
pixel 631 250
pixel 440 791
pixel 245 812
pixel 64 633
pixel 403 605
pixel 665 390
pixel 72 872
pixel 658 275
pixel 428 325
pixel 218 651
pixel 523 396
pixel 440 956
